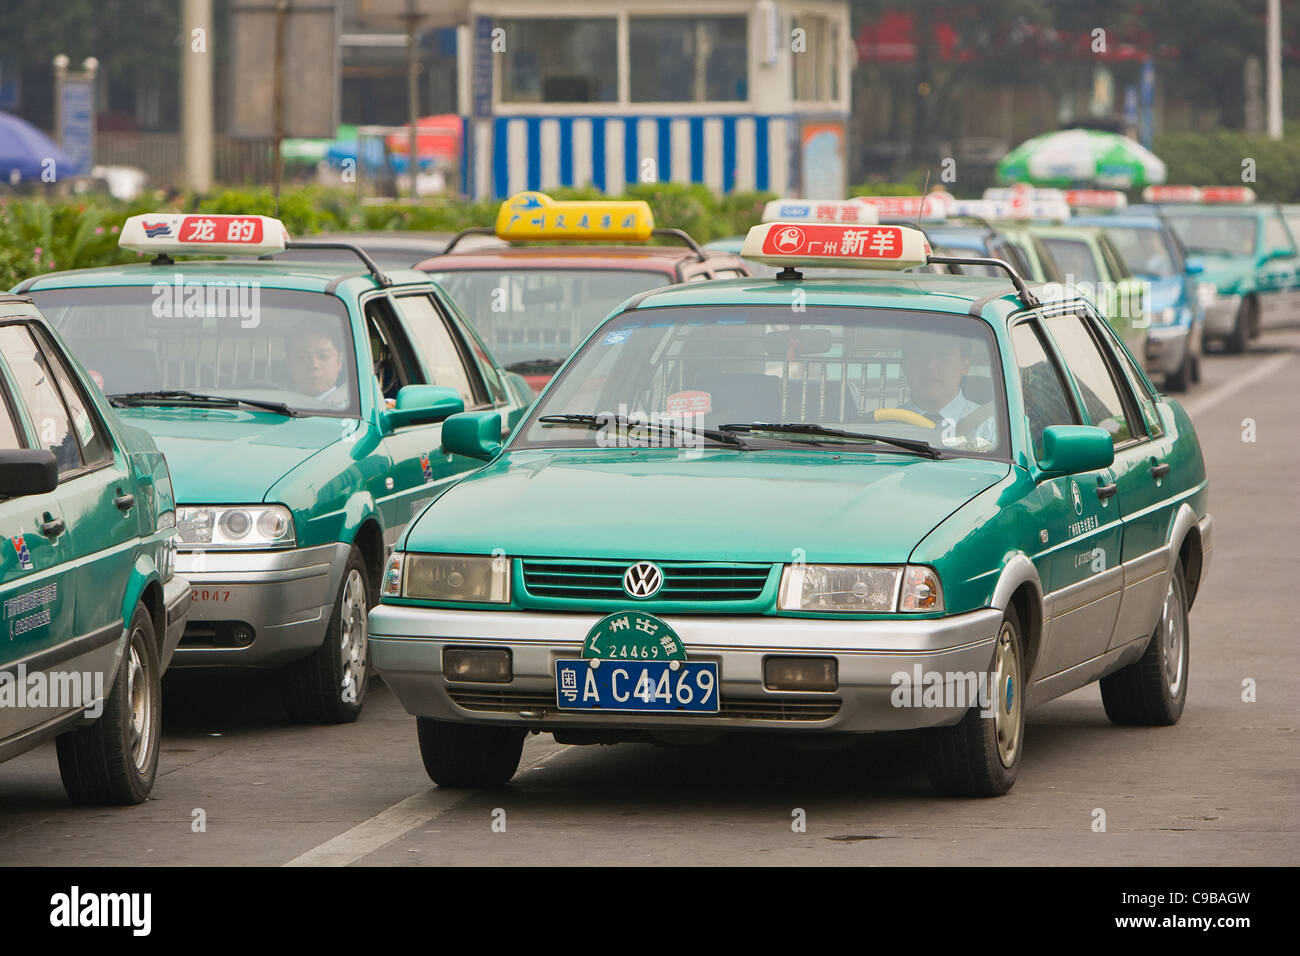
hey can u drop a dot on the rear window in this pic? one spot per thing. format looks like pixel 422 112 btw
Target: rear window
pixel 1073 259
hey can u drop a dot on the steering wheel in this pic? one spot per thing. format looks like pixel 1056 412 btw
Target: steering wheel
pixel 904 416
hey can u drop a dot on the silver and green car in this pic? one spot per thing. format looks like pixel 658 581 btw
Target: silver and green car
pixel 817 507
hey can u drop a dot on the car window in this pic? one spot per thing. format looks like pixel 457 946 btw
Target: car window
pixel 444 360
pixel 214 337
pixel 1144 251
pixel 36 384
pixel 1139 387
pixel 95 445
pixel 1275 234
pixel 1114 261
pixel 393 364
pixel 487 368
pixel 8 420
pixel 1047 401
pixel 1073 259
pixel 1202 234
pixel 1082 356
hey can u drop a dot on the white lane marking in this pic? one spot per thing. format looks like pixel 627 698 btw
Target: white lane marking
pixel 1232 386
pixel 386 826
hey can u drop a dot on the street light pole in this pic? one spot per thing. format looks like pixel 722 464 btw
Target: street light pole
pixel 1274 81
pixel 412 94
pixel 196 93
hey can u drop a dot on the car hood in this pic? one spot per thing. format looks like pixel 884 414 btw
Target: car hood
pixel 220 455
pixel 1224 271
pixel 714 505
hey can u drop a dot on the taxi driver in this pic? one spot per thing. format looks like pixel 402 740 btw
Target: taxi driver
pixel 935 365
pixel 315 361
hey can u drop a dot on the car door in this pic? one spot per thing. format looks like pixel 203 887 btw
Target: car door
pixel 1077 516
pixel 37 568
pixel 1278 280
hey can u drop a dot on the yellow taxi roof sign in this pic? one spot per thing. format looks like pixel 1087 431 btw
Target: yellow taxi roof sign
pixel 827 244
pixel 534 215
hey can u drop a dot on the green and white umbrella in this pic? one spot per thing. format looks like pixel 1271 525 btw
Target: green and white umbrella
pixel 1082 157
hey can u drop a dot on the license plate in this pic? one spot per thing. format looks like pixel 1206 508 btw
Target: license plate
pixel 643 686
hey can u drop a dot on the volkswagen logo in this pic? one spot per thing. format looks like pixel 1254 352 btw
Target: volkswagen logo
pixel 643 579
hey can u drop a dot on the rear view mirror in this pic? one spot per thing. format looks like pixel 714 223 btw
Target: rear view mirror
pixel 1071 449
pixel 473 434
pixel 27 471
pixel 423 404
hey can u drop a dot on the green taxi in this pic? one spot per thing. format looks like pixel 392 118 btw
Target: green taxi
pixel 300 407
pixel 895 501
pixel 92 606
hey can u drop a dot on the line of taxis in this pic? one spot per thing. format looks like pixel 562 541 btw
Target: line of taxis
pixel 757 500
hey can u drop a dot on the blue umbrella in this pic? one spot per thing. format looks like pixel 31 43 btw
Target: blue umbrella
pixel 25 149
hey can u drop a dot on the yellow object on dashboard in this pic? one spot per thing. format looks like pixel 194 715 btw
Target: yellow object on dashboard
pixel 534 215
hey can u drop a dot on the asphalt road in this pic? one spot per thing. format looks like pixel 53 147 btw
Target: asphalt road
pixel 1220 787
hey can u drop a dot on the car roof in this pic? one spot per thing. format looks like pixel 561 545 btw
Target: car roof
pixel 644 258
pixel 1122 221
pixel 1204 209
pixel 1060 230
pixel 910 291
pixel 343 279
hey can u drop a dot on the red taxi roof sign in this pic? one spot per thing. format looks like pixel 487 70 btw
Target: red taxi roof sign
pixel 838 244
pixel 1095 199
pixel 819 210
pixel 1199 194
pixel 1241 194
pixel 203 233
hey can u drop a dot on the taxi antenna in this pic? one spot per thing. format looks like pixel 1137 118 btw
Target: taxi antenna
pixel 920 209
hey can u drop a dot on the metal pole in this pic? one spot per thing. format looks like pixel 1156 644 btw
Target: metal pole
pixel 277 98
pixel 196 93
pixel 1274 54
pixel 412 93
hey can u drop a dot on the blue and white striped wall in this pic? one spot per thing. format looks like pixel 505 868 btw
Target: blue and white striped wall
pixel 508 154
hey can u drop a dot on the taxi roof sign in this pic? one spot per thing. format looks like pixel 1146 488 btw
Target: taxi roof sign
pixel 836 244
pixel 820 210
pixel 930 207
pixel 534 215
pixel 203 233
pixel 1095 199
pixel 1198 194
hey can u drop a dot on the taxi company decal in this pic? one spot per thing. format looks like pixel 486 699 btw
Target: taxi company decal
pixel 617 337
pixel 41 599
pixel 869 242
pixel 692 401
pixel 627 635
pixel 1076 497
pixel 157 230
pixel 426 467
pixel 24 555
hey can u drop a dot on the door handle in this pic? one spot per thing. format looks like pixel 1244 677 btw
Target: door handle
pixel 1105 491
pixel 1160 470
pixel 124 502
pixel 52 528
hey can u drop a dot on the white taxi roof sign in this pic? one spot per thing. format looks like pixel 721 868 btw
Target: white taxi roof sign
pixel 820 210
pixel 929 207
pixel 203 233
pixel 534 215
pixel 836 244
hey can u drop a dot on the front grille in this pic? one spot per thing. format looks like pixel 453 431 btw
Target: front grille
pixel 511 702
pixel 689 581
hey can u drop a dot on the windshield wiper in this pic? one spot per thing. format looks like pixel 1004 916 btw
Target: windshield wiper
pixel 537 366
pixel 600 421
pixel 168 395
pixel 809 428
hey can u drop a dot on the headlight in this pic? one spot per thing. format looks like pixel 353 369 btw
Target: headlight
pixel 391 585
pixel 921 591
pixel 1164 316
pixel 838 587
pixel 449 577
pixel 235 526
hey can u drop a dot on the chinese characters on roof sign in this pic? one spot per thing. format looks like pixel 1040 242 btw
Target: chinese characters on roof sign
pixel 214 234
pixel 819 210
pixel 1193 194
pixel 872 247
pixel 534 215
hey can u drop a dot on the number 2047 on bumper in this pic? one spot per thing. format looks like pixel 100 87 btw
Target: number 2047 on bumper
pixel 637 686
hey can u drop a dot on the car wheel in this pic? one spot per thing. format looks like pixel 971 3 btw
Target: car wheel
pixel 468 755
pixel 1237 339
pixel 330 686
pixel 980 756
pixel 115 759
pixel 1181 380
pixel 1152 691
pixel 1196 370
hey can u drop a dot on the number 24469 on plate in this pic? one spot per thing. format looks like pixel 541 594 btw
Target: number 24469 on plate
pixel 637 686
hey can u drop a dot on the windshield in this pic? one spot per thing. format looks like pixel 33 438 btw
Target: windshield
pixel 911 375
pixel 1144 250
pixel 230 340
pixel 533 318
pixel 1214 235
pixel 1073 259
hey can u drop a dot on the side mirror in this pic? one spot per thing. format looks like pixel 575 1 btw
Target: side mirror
pixel 1070 449
pixel 1193 267
pixel 1281 252
pixel 473 434
pixel 424 404
pixel 27 471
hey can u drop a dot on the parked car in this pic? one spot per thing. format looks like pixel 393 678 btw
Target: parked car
pixel 804 520
pixel 93 608
pixel 300 407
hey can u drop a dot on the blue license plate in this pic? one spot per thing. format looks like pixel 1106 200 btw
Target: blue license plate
pixel 645 686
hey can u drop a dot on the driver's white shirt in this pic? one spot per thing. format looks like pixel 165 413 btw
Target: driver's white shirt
pixel 337 397
pixel 958 408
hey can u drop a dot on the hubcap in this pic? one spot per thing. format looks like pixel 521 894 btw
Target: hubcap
pixel 352 620
pixel 1007 715
pixel 1171 642
pixel 137 692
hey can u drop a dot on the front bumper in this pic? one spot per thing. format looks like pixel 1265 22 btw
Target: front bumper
pixel 1166 348
pixel 406 645
pixel 1221 317
pixel 258 608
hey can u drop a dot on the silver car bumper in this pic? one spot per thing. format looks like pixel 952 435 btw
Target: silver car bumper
pixel 1166 348
pixel 258 608
pixel 1221 317
pixel 406 647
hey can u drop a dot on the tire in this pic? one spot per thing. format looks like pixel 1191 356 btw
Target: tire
pixel 1181 380
pixel 115 760
pixel 1152 691
pixel 980 756
pixel 1239 337
pixel 1196 370
pixel 468 755
pixel 330 686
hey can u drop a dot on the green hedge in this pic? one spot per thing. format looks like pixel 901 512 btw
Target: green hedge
pixel 1215 159
pixel 39 235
